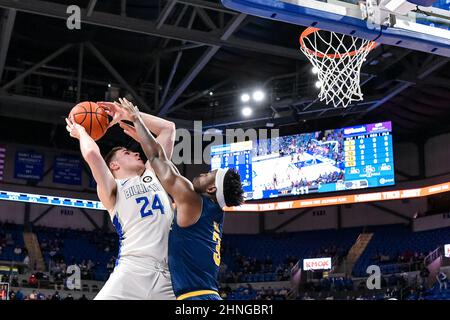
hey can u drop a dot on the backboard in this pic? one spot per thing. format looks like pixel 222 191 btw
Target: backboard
pixel 391 22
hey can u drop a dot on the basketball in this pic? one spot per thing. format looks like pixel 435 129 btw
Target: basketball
pixel 92 117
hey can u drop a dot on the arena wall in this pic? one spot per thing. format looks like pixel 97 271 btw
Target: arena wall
pixel 432 222
pixel 47 180
pixel 57 217
pixel 241 223
pixel 12 212
pixel 406 160
pixel 61 217
pixel 320 218
pixel 437 155
pixel 314 219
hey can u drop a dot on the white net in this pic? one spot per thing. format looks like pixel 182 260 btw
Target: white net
pixel 338 59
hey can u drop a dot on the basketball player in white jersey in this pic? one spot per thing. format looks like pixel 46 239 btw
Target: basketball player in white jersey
pixel 140 210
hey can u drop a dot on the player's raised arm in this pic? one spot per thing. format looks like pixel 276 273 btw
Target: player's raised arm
pixel 106 185
pixel 189 203
pixel 164 130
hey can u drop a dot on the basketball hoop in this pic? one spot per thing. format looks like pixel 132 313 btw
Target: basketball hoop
pixel 338 59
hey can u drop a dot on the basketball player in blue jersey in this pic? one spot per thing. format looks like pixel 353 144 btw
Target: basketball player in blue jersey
pixel 139 208
pixel 194 240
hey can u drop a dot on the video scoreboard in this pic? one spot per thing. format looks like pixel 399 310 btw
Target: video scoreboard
pixel 348 158
pixel 368 157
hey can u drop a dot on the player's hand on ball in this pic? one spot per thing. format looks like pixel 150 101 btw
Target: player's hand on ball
pixel 131 111
pixel 74 128
pixel 114 110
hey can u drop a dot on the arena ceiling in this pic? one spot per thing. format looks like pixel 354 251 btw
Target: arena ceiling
pixel 169 55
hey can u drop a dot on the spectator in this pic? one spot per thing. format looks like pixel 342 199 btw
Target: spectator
pixel 283 292
pixel 33 295
pixel 384 258
pixel 223 295
pixel 307 297
pixel 441 277
pixel 90 264
pixel 26 261
pixel 18 250
pixel 110 265
pixel 33 281
pixel 52 252
pixel 83 297
pixel 43 245
pixel 68 297
pixel 19 295
pixel 56 296
pixel 286 275
pixel 424 273
pixel 395 293
pixel 15 281
pixel 9 240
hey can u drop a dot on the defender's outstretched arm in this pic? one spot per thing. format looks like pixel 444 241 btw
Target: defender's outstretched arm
pixel 189 202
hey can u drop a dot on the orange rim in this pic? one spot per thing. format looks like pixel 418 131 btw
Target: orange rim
pixel 310 30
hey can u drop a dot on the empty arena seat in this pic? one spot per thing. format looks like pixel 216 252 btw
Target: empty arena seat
pixel 81 245
pixel 299 244
pixel 16 234
pixel 393 240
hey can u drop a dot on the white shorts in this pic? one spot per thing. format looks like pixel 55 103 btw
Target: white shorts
pixel 131 282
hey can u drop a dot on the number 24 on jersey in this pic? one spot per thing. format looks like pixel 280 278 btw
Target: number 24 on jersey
pixel 156 205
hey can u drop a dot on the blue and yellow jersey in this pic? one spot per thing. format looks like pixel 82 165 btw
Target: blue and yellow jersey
pixel 194 253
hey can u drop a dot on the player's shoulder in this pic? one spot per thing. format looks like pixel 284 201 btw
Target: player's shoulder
pixel 210 207
pixel 120 183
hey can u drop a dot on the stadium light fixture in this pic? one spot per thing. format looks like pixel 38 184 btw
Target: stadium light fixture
pixel 245 97
pixel 247 111
pixel 258 95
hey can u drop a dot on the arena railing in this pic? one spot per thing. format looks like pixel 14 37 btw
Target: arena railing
pixel 435 254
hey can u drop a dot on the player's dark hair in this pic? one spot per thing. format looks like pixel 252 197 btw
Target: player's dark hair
pixel 232 188
pixel 110 155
